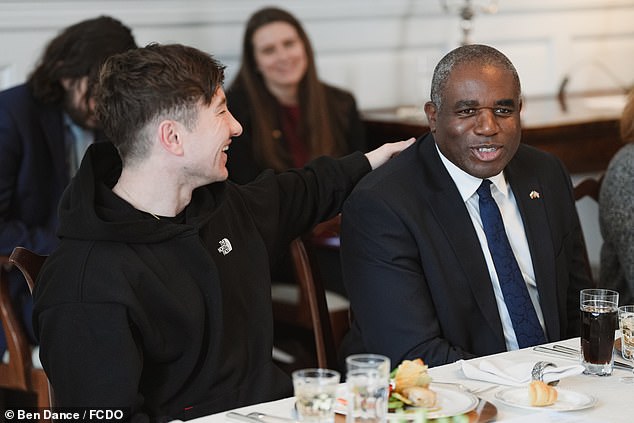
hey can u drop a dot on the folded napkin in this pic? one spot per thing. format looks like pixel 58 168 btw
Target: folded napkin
pixel 507 372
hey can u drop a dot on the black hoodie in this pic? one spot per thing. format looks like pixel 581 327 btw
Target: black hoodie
pixel 172 318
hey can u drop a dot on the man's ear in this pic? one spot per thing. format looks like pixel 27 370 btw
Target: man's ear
pixel 431 110
pixel 169 136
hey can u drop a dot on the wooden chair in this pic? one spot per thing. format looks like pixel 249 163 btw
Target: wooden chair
pixel 19 373
pixel 589 187
pixel 311 308
pixel 29 264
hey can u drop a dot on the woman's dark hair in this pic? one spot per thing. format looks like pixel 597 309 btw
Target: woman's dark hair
pixel 78 51
pixel 321 133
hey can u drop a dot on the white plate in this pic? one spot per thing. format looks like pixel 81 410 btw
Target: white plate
pixel 449 402
pixel 566 400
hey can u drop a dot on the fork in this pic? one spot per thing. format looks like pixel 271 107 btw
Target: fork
pixel 573 354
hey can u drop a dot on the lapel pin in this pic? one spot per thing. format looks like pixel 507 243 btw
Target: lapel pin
pixel 533 195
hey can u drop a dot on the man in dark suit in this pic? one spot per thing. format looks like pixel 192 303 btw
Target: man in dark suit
pixel 420 272
pixel 45 126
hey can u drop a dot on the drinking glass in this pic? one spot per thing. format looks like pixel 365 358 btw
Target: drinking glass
pixel 316 394
pixel 626 321
pixel 599 320
pixel 367 380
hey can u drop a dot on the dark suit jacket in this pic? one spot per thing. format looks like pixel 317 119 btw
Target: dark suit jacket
pixel 414 269
pixel 33 175
pixel 33 171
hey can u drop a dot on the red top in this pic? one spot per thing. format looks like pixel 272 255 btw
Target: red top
pixel 290 128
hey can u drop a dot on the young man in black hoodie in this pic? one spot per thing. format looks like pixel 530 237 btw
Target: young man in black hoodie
pixel 157 300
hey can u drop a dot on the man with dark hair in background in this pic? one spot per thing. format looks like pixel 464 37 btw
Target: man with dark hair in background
pixel 46 124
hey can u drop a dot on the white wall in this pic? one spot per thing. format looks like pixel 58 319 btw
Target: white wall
pixel 384 51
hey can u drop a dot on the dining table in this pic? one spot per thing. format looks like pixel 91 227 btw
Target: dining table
pixel 612 399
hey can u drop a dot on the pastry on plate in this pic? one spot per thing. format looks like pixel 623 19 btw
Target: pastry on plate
pixel 420 397
pixel 411 384
pixel 541 394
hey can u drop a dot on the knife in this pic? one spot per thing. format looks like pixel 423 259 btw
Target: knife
pixel 270 418
pixel 241 417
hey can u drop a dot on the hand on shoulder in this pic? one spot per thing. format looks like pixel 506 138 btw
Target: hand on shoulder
pixel 385 152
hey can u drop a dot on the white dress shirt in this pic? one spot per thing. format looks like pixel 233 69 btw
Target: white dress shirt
pixel 80 140
pixel 503 196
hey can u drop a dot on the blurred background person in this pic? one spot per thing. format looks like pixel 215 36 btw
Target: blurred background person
pixel 46 125
pixel 289 116
pixel 616 213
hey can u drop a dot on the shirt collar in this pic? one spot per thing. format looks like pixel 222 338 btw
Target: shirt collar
pixel 467 184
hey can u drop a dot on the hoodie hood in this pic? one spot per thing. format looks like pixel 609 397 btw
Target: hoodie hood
pixel 89 210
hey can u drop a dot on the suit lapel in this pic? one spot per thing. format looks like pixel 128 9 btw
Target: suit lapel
pixel 453 217
pixel 528 190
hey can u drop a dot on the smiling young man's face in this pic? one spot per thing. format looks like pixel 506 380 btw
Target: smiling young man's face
pixel 209 141
pixel 478 126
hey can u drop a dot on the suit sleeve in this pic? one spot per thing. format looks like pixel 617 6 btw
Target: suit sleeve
pixel 578 277
pixel 387 286
pixel 13 230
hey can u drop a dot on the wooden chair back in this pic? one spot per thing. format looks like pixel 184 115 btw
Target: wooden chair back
pixel 19 373
pixel 29 264
pixel 589 187
pixel 311 310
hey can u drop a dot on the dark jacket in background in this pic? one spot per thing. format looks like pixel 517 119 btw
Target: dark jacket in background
pixel 33 175
pixel 241 163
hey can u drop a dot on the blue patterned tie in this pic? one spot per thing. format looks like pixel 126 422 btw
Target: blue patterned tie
pixel 525 323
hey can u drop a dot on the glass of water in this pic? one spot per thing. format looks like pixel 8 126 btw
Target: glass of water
pixel 626 322
pixel 316 394
pixel 367 381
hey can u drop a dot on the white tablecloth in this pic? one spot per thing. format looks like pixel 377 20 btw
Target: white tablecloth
pixel 615 399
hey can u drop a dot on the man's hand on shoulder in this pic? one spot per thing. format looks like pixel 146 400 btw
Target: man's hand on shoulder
pixel 387 151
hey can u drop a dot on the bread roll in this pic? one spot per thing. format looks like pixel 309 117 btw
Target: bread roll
pixel 541 394
pixel 420 397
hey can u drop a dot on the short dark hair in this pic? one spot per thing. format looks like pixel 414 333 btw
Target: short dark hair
pixel 468 54
pixel 150 83
pixel 78 51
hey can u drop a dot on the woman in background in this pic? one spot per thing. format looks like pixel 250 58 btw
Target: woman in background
pixel 616 214
pixel 289 116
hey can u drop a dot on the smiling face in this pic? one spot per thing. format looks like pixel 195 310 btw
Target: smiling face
pixel 280 55
pixel 478 126
pixel 208 141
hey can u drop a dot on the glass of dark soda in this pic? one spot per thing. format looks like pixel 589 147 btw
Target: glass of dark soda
pixel 599 320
